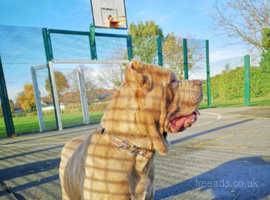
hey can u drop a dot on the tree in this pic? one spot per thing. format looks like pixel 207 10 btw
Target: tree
pixel 26 99
pixel 61 84
pixel 244 19
pixel 144 40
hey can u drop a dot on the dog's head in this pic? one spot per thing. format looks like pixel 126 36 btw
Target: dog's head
pixel 152 102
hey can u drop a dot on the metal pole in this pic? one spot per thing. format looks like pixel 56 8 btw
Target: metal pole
pixel 84 104
pixel 185 55
pixel 159 51
pixel 208 73
pixel 247 79
pixel 37 98
pixel 92 41
pixel 5 104
pixel 129 47
pixel 57 103
pixel 49 57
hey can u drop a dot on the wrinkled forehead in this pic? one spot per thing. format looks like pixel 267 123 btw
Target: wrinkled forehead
pixel 159 74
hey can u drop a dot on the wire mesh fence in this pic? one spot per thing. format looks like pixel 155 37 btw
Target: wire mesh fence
pixel 173 52
pixel 70 46
pixel 46 100
pixel 111 48
pixel 23 47
pixel 259 83
pixel 20 49
pixel 227 81
pixel 100 82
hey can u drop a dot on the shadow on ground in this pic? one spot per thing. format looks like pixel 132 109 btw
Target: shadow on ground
pixel 25 170
pixel 244 178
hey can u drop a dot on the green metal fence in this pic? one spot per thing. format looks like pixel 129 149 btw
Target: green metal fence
pixel 230 82
pixel 21 48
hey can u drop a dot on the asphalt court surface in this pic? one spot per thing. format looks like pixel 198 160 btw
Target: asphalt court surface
pixel 224 155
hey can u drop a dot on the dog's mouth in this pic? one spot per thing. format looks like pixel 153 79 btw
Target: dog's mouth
pixel 180 122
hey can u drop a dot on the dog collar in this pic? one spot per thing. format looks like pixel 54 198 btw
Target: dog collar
pixel 127 146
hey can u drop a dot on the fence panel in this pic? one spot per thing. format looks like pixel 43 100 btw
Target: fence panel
pixel 197 64
pixel 20 49
pixel 46 98
pixel 111 48
pixel 178 52
pixel 227 82
pixel 259 83
pixel 70 46
pixel 172 51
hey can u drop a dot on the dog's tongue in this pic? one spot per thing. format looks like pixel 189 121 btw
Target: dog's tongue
pixel 179 122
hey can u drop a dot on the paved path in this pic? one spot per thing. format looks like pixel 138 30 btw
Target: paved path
pixel 225 155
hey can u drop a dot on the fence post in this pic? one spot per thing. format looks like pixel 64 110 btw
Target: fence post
pixel 247 79
pixel 208 73
pixel 129 47
pixel 5 104
pixel 159 51
pixel 37 98
pixel 92 40
pixel 185 55
pixel 49 56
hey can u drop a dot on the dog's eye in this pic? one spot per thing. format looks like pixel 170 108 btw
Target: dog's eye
pixel 174 83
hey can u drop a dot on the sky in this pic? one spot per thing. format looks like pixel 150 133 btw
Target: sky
pixel 190 19
pixel 186 18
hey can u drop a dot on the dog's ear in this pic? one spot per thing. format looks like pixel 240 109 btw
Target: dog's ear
pixel 135 76
pixel 159 142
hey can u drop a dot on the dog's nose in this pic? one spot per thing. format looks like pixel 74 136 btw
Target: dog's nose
pixel 197 82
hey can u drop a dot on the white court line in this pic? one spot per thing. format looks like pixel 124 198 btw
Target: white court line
pixel 218 117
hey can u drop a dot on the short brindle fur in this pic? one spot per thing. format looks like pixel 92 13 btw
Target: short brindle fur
pixel 116 161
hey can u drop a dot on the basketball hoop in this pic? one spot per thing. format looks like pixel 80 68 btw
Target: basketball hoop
pixel 115 21
pixel 109 14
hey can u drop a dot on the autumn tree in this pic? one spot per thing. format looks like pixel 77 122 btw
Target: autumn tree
pixel 243 19
pixel 144 40
pixel 26 99
pixel 61 84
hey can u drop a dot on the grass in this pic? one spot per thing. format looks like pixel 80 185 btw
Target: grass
pixel 227 89
pixel 29 123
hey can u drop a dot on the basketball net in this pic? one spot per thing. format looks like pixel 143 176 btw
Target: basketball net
pixel 114 21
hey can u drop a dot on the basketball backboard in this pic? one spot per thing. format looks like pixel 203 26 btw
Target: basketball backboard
pixel 109 13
